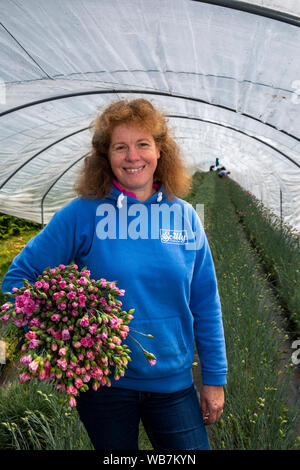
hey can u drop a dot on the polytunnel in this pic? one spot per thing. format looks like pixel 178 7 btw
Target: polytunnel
pixel 226 73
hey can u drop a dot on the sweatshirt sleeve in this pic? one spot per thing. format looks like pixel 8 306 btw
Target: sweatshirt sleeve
pixel 206 308
pixel 64 239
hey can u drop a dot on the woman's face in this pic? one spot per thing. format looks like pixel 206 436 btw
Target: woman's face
pixel 133 156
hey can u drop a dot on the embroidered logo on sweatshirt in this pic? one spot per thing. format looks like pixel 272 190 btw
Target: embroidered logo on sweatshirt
pixel 178 237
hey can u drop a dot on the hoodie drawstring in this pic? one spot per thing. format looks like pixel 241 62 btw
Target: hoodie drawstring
pixel 119 201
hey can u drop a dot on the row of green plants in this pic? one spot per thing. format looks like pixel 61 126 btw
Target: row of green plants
pixel 255 415
pixel 278 246
pixel 12 226
pixel 34 416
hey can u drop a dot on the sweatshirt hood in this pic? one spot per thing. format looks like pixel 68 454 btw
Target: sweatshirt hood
pixel 118 196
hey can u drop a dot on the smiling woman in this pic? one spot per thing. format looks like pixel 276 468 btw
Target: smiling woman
pixel 133 156
pixel 147 148
pixel 153 243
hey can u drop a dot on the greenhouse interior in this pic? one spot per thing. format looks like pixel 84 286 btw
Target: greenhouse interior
pixel 226 74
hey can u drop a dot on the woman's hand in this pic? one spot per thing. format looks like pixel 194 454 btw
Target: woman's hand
pixel 212 402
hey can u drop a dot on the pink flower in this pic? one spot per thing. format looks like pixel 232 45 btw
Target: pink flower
pixel 93 329
pixel 96 385
pixel 65 335
pixel 62 351
pixel 86 378
pixel 71 390
pixel 34 322
pixel 83 281
pixel 5 306
pixel 116 340
pixel 33 366
pixel 72 402
pixel 38 285
pixel 31 335
pixel 56 335
pixel 33 343
pixel 55 317
pixel 62 363
pixel 87 342
pixel 84 321
pixel 62 306
pixel 5 317
pixel 26 360
pixel 78 382
pixel 82 300
pixel 62 284
pixel 24 377
pixel 152 362
pixel 43 375
pixel 90 355
pixel 71 295
pixel 114 322
pixel 96 373
pixel 69 373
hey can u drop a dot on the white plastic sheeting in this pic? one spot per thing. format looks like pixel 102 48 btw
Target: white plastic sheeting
pixel 229 80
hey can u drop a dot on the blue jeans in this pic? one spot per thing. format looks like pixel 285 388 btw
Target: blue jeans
pixel 172 421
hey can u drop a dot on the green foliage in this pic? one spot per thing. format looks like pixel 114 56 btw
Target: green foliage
pixel 255 415
pixel 34 416
pixel 11 226
pixel 278 247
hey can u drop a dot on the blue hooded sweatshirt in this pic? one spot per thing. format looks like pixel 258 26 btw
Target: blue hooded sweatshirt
pixel 158 253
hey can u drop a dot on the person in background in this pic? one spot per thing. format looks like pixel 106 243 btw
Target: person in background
pixel 223 173
pixel 165 266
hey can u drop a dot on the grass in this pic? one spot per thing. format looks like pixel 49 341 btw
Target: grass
pixel 34 416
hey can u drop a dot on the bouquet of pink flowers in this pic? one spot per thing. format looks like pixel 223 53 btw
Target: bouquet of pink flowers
pixel 75 328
